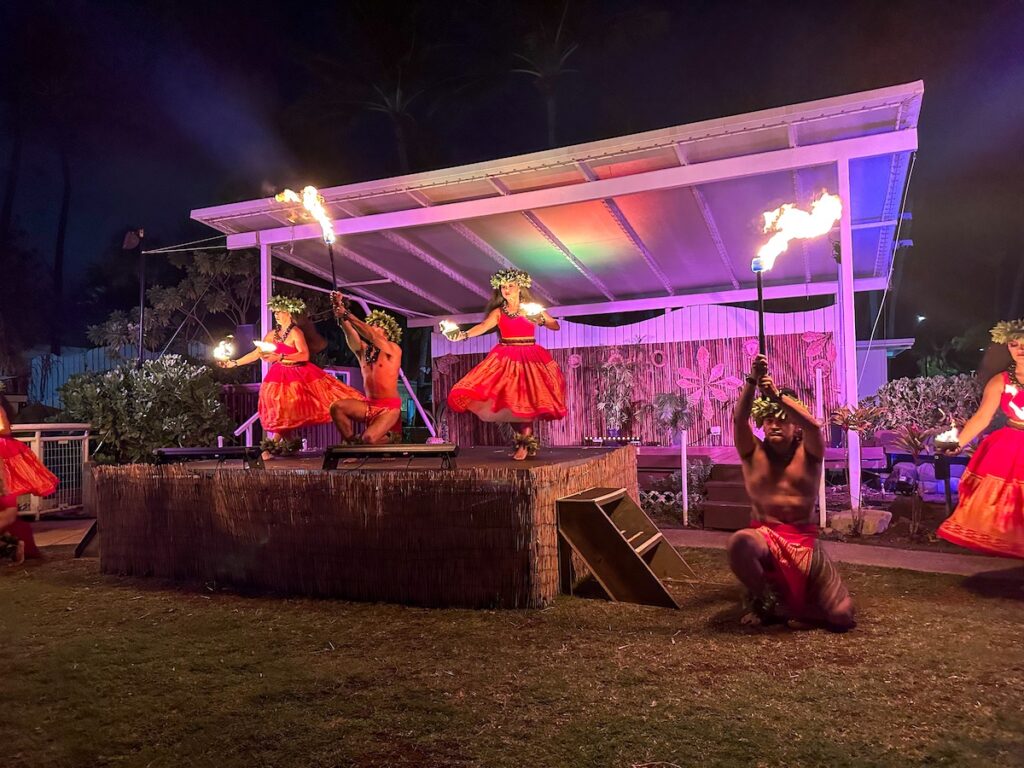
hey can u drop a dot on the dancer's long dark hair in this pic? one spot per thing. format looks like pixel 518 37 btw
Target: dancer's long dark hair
pixel 997 358
pixel 525 297
pixel 7 408
pixel 315 342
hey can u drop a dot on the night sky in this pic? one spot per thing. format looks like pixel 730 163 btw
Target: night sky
pixel 167 105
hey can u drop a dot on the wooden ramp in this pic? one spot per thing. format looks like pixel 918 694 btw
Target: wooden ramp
pixel 626 553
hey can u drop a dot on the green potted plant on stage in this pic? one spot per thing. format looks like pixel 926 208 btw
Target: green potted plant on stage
pixel 615 393
pixel 672 413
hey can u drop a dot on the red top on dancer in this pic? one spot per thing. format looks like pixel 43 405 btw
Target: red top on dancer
pixel 518 382
pixel 990 515
pixel 295 393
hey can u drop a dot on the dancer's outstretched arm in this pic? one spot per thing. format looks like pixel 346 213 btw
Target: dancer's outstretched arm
pixel 489 323
pixel 251 357
pixel 986 411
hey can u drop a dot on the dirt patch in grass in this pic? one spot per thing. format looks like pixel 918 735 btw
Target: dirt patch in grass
pixel 103 671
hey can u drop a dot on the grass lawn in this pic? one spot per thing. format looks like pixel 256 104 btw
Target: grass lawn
pixel 102 671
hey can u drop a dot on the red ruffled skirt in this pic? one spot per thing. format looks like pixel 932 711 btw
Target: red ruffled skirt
pixel 514 384
pixel 990 515
pixel 295 396
pixel 23 471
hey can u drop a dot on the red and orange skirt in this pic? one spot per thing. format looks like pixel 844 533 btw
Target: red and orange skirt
pixel 23 471
pixel 293 396
pixel 990 515
pixel 514 383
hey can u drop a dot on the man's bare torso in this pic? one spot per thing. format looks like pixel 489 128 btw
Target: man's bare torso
pixel 380 378
pixel 782 491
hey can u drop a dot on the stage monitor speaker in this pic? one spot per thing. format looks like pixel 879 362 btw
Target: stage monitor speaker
pixel 444 451
pixel 250 455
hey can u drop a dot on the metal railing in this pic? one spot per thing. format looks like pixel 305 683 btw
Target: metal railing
pixel 64 449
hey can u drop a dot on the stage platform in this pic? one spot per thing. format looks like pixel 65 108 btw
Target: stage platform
pixel 400 530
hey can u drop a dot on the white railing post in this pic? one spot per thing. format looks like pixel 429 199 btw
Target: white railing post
pixel 684 485
pixel 819 400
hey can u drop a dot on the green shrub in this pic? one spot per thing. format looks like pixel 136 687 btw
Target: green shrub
pixel 168 402
pixel 925 402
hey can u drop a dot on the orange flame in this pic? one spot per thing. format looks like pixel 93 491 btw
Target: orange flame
pixel 313 202
pixel 788 222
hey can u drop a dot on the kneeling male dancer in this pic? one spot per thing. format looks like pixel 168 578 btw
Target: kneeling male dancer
pixel 779 558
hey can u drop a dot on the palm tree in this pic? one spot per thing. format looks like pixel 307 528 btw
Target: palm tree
pixel 545 61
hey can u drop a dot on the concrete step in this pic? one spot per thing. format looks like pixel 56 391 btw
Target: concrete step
pixel 727 490
pixel 726 515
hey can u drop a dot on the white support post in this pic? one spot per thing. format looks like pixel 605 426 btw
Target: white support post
pixel 848 327
pixel 684 486
pixel 819 413
pixel 37 448
pixel 266 286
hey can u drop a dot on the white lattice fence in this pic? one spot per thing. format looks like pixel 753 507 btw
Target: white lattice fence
pixel 64 449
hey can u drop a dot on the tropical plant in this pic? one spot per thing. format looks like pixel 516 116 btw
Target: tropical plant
pixel 671 411
pixel 544 59
pixel 861 419
pixel 615 393
pixel 133 411
pixel 925 402
pixel 913 440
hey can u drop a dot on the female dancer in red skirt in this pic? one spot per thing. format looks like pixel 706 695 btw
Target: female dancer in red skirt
pixel 518 382
pixel 295 393
pixel 990 515
pixel 21 472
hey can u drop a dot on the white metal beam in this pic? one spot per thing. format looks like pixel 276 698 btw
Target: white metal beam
pixel 410 247
pixel 627 229
pixel 665 178
pixel 326 275
pixel 557 244
pixel 799 196
pixel 472 237
pixel 365 263
pixel 848 328
pixel 266 289
pixel 427 258
pixel 709 222
pixel 725 296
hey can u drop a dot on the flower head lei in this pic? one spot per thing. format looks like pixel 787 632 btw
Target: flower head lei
pixel 289 304
pixel 763 408
pixel 386 323
pixel 513 276
pixel 1007 330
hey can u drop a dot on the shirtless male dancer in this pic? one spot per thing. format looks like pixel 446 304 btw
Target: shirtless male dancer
pixel 779 558
pixel 375 344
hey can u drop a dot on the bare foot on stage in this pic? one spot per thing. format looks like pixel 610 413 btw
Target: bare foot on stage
pixel 520 453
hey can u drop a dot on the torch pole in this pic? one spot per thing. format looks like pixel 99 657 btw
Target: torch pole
pixel 760 316
pixel 334 277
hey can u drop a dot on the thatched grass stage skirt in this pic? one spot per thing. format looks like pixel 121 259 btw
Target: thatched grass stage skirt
pixel 476 536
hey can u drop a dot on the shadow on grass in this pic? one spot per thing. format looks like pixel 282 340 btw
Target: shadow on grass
pixel 1004 583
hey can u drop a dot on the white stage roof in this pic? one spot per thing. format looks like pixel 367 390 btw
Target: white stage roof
pixel 656 219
